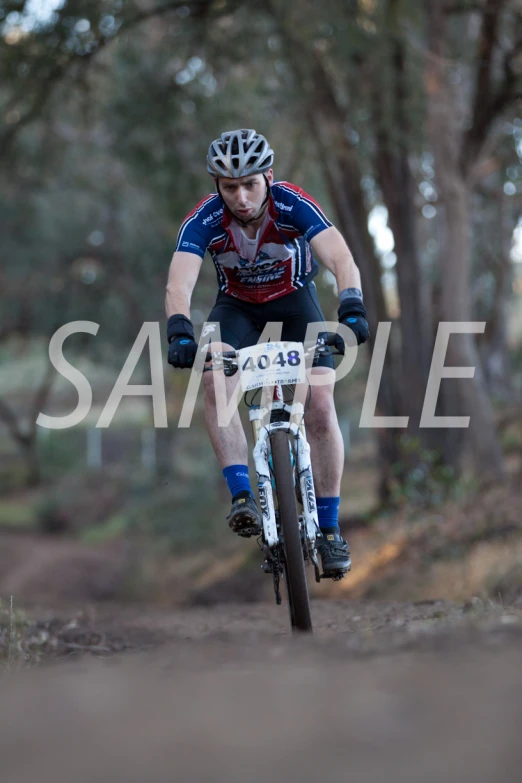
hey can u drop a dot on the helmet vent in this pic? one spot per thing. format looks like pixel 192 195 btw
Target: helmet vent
pixel 239 153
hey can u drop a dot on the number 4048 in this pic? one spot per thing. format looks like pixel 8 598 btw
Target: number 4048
pixel 263 362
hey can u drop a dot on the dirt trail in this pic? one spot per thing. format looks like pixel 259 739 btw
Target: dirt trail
pixel 391 692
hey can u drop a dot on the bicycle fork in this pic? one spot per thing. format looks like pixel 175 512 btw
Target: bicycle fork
pixel 296 428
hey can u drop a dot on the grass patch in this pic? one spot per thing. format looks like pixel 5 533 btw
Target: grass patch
pixel 13 624
pixel 113 528
pixel 26 643
pixel 18 514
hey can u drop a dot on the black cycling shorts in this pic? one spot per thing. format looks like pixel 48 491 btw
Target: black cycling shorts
pixel 242 323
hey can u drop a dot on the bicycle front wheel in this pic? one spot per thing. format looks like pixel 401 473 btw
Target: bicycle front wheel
pixel 295 572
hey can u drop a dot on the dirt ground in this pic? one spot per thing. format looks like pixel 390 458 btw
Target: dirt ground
pixel 382 691
pixel 211 686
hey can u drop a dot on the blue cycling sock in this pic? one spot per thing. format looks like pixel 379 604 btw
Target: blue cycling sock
pixel 328 513
pixel 237 479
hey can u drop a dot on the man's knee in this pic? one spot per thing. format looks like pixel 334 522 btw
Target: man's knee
pixel 208 375
pixel 321 413
pixel 217 348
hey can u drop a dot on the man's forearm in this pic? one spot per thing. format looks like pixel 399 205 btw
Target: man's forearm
pixel 183 273
pixel 344 269
pixel 346 273
pixel 336 256
pixel 177 300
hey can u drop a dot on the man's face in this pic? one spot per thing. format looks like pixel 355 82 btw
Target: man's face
pixel 245 195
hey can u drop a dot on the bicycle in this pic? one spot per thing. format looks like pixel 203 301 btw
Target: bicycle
pixel 282 460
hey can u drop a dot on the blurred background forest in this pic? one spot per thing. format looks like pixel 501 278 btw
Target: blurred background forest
pixel 404 119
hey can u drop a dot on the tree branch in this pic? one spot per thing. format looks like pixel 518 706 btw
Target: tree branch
pixel 464 7
pixel 488 105
pixel 11 422
pixel 42 393
pixel 488 39
pixel 195 5
pixel 38 104
pixel 59 71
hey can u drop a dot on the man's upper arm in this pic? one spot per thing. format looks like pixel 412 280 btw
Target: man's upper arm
pixel 184 269
pixel 328 243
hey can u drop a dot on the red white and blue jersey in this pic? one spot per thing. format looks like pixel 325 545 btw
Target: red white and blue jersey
pixel 283 259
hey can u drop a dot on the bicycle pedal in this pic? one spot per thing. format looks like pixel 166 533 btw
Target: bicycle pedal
pixel 248 532
pixel 335 576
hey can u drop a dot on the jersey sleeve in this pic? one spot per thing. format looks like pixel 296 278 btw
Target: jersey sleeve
pixel 194 235
pixel 306 214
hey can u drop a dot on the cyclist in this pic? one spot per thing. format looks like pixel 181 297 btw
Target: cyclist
pixel 262 237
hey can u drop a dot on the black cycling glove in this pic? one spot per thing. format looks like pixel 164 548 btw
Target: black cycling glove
pixel 352 313
pixel 182 345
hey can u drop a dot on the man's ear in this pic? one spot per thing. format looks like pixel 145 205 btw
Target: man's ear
pixel 270 176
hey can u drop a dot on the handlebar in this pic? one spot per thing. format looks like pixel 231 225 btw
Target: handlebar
pixel 321 347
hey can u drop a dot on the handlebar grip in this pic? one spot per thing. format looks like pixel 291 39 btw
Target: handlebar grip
pixel 225 354
pixel 331 338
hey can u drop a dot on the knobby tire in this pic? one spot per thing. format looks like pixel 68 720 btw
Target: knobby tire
pixel 295 572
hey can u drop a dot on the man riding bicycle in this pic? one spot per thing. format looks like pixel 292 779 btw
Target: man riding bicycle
pixel 262 236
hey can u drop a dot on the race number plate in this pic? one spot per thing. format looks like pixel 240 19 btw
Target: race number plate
pixel 266 364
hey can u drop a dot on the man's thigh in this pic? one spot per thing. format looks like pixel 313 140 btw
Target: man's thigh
pixel 303 308
pixel 238 328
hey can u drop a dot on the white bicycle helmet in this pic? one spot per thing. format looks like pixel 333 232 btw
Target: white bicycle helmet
pixel 239 153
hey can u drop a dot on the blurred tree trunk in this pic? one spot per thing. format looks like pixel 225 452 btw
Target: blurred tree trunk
pixel 26 437
pixel 458 396
pixel 494 347
pixel 393 136
pixel 343 177
pixel 339 159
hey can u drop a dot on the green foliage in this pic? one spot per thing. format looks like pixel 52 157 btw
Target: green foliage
pixel 121 501
pixel 107 108
pixel 61 452
pixel 13 475
pixel 179 518
pixel 17 514
pixel 422 480
pixel 83 499
pixel 114 527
